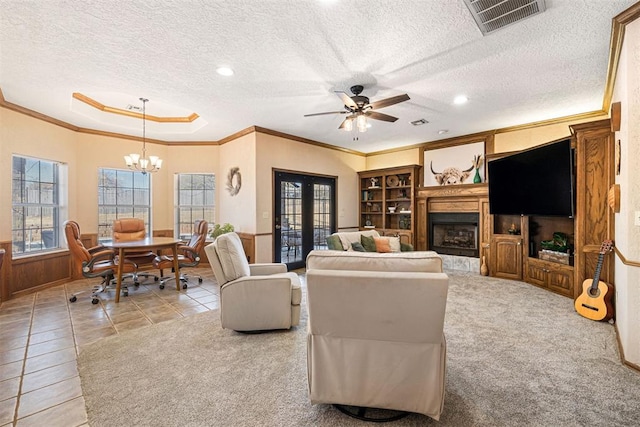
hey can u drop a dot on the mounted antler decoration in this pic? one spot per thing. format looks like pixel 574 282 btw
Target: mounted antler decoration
pixel 234 181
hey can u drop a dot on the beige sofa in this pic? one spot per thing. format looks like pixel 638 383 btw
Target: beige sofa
pixel 346 238
pixel 253 297
pixel 375 336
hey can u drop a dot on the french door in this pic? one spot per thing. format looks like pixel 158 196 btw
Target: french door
pixel 304 215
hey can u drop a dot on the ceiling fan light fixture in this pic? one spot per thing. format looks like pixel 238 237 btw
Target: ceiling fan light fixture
pixel 361 123
pixel 348 125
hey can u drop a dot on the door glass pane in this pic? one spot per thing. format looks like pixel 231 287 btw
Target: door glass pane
pixel 321 215
pixel 291 221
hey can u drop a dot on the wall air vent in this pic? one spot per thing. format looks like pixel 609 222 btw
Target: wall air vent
pixel 491 15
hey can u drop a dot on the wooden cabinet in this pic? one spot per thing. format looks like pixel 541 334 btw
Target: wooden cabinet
pixel 592 223
pixel 550 275
pixel 387 201
pixel 505 246
pixel 506 257
pixel 594 220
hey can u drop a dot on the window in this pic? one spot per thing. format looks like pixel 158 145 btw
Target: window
pixel 195 199
pixel 36 205
pixel 122 194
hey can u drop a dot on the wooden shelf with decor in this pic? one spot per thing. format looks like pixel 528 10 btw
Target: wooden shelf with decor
pixel 387 201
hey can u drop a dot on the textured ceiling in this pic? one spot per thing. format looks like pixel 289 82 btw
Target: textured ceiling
pixel 290 55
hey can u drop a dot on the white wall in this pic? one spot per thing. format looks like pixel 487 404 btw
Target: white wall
pixel 239 210
pixel 627 238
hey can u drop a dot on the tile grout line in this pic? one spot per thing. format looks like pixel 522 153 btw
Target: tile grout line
pixel 24 362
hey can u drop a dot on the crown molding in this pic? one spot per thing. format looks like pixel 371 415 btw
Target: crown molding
pixel 113 110
pixel 618 24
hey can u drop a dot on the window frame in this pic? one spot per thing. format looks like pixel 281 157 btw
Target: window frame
pixel 179 206
pixel 105 229
pixel 57 188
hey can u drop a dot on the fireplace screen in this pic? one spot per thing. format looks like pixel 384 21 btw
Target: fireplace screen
pixel 454 233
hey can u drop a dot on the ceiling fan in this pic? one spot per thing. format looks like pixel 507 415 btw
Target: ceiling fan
pixel 359 109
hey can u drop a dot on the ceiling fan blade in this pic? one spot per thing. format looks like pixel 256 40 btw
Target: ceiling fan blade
pixel 328 112
pixel 346 99
pixel 379 116
pixel 389 101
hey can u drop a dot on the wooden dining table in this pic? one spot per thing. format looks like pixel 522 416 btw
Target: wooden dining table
pixel 148 243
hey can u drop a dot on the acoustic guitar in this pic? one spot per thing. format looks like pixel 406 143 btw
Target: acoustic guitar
pixel 595 301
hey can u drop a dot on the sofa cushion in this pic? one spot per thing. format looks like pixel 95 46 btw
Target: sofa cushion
pixel 382 244
pixel 406 247
pixel 368 243
pixel 334 243
pixel 232 257
pixel 387 244
pixel 348 237
pixel 418 261
pixel 357 246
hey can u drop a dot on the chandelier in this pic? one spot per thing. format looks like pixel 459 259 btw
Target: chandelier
pixel 142 163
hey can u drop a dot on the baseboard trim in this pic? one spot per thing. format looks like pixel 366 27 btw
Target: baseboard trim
pixel 621 350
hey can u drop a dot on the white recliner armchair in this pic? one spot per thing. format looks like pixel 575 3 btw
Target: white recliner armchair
pixel 253 297
pixel 375 337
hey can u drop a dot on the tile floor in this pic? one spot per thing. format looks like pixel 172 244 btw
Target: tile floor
pixel 42 333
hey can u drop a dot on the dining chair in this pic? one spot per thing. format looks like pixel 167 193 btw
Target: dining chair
pixel 130 229
pixel 97 261
pixel 188 254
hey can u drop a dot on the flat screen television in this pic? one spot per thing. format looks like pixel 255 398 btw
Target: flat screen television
pixel 538 181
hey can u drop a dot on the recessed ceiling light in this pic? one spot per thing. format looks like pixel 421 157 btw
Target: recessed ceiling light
pixel 460 99
pixel 225 71
pixel 443 131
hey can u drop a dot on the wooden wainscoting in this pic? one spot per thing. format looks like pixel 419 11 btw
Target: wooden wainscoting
pixel 249 245
pixel 32 273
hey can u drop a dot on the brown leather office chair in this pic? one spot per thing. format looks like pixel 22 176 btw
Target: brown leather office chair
pixel 98 261
pixel 188 254
pixel 129 229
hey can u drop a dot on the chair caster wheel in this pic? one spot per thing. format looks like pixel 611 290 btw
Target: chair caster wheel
pixel 155 279
pixel 73 299
pixel 95 301
pixel 184 286
pixel 162 286
pixel 199 279
pixel 136 284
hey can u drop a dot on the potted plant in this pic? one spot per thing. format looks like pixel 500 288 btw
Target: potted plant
pixel 219 229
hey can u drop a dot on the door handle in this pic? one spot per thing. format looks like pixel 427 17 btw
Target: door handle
pixel 278 227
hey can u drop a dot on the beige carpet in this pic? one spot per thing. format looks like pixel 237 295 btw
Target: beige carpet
pixel 517 355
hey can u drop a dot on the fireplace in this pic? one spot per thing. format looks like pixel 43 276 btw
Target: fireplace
pixel 454 233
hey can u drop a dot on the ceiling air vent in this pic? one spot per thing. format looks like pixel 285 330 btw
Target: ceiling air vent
pixel 491 15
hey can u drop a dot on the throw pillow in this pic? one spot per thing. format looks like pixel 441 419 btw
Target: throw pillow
pixel 357 246
pixel 406 247
pixel 382 244
pixel 368 243
pixel 394 243
pixel 334 243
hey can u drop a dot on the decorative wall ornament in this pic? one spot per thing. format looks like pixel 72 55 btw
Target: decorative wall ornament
pixel 454 164
pixel 451 175
pixel 234 181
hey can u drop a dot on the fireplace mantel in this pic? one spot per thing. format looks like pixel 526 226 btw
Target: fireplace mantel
pixel 453 198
